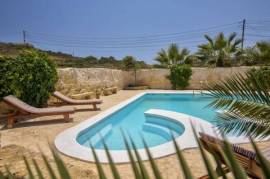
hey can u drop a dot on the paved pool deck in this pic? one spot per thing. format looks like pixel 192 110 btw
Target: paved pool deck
pixel 37 133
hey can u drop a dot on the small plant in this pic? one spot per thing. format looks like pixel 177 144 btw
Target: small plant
pixel 179 76
pixel 31 76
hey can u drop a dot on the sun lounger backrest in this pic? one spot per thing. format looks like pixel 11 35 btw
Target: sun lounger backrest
pixel 213 144
pixel 19 104
pixel 62 97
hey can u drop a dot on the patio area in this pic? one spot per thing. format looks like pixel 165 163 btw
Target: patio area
pixel 27 137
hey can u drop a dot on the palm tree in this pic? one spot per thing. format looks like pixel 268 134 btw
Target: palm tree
pixel 245 101
pixel 220 49
pixel 172 56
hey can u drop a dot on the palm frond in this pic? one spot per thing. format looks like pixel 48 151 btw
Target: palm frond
pixel 143 170
pixel 135 169
pixel 210 40
pixel 212 174
pixel 182 162
pixel 101 172
pixel 29 170
pixel 246 101
pixel 231 37
pixel 235 167
pixel 152 161
pixel 38 170
pixel 114 170
pixel 264 163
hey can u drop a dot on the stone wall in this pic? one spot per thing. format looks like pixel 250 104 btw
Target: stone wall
pixel 80 80
pixel 73 80
pixel 156 78
pixel 77 80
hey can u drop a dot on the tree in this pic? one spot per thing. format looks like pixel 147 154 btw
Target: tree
pixel 245 102
pixel 262 51
pixel 130 63
pixel 91 59
pixel 220 50
pixel 172 56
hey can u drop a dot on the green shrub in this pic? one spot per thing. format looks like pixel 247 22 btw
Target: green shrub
pixel 31 76
pixel 179 76
pixel 262 74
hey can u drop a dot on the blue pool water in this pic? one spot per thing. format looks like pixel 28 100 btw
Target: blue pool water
pixel 132 120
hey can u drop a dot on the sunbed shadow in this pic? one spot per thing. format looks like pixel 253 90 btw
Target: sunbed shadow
pixel 85 109
pixel 22 123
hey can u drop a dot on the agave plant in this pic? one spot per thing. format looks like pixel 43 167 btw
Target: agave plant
pixel 138 167
pixel 220 49
pixel 245 101
pixel 172 56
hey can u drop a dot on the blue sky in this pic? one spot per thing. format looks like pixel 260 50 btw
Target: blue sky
pixel 124 27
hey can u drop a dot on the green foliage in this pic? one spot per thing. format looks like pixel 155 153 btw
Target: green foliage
pixel 261 74
pixel 130 63
pixel 179 76
pixel 31 76
pixel 220 51
pixel 264 51
pixel 245 101
pixel 173 56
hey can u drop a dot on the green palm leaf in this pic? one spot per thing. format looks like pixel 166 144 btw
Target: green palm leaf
pixel 246 104
pixel 29 170
pixel 143 170
pixel 135 169
pixel 101 172
pixel 265 165
pixel 114 170
pixel 152 161
pixel 212 174
pixel 186 170
pixel 39 172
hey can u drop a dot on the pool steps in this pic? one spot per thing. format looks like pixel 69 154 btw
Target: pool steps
pixel 159 130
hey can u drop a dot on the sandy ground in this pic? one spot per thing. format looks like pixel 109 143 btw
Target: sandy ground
pixel 26 138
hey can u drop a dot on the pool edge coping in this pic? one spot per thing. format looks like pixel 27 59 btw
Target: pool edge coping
pixel 66 142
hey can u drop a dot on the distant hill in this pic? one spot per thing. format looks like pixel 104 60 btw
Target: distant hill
pixel 65 60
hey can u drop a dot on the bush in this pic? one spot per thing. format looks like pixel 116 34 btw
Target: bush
pixel 179 76
pixel 262 74
pixel 31 76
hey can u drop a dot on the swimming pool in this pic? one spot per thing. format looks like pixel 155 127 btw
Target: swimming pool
pixel 152 115
pixel 133 120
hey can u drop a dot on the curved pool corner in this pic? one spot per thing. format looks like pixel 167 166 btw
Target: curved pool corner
pixel 66 141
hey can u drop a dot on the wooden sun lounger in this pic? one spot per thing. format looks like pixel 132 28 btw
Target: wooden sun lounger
pixel 25 109
pixel 66 100
pixel 245 157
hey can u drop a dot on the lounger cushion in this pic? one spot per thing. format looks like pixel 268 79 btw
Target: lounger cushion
pixel 75 101
pixel 23 107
